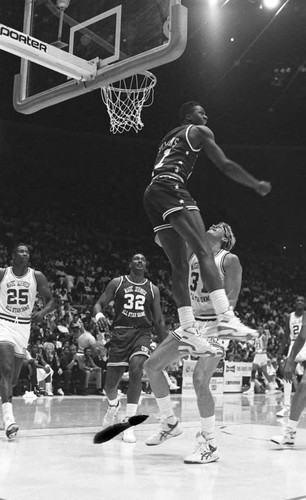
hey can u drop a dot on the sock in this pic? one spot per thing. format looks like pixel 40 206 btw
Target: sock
pixel 7 411
pixel 131 409
pixel 219 301
pixel 166 410
pixel 208 427
pixel 186 316
pixel 292 424
pixel 113 402
pixel 287 393
pixel 252 387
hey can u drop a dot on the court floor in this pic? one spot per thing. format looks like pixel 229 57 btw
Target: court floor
pixel 54 456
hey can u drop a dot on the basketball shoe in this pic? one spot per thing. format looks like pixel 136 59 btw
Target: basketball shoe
pixel 284 411
pixel 110 415
pixel 204 452
pixel 10 426
pixel 166 431
pixel 231 328
pixel 128 436
pixel 287 437
pixel 192 342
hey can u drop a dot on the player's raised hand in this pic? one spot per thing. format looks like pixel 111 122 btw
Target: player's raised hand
pixel 263 188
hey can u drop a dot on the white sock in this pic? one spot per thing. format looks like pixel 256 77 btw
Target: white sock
pixel 208 427
pixel 113 402
pixel 287 393
pixel 219 301
pixel 292 424
pixel 252 387
pixel 7 411
pixel 186 316
pixel 131 409
pixel 166 410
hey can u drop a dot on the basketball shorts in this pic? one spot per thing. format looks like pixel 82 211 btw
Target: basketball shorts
pixel 125 343
pixel 260 359
pixel 301 355
pixel 16 335
pixel 164 197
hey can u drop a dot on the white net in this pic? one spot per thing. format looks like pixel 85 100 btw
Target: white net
pixel 125 99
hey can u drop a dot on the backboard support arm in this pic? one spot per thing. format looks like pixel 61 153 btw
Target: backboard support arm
pixel 32 49
pixel 112 72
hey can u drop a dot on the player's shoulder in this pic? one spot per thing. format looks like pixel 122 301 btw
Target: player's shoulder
pixel 201 131
pixel 231 259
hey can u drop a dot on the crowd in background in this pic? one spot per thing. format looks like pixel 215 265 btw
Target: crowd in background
pixel 79 261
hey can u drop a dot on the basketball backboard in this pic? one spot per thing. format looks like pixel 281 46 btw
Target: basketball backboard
pixel 124 37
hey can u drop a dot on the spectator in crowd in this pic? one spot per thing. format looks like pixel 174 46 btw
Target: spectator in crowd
pixel 89 370
pixel 69 365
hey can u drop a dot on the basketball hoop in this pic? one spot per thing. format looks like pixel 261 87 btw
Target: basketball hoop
pixel 125 99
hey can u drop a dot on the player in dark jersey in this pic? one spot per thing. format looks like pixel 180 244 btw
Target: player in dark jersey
pixel 176 218
pixel 137 308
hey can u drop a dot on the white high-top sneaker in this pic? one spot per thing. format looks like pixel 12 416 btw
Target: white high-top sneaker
pixel 230 327
pixel 10 426
pixel 194 343
pixel 287 438
pixel 110 415
pixel 204 452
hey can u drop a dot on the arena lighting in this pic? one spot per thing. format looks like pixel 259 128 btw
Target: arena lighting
pixel 271 4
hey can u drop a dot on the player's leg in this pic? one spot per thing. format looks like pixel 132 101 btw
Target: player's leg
pixel 285 410
pixel 190 226
pixel 133 394
pixel 251 389
pixel 113 377
pixel 206 448
pixel 7 371
pixel 165 354
pixel 191 341
pixel 297 407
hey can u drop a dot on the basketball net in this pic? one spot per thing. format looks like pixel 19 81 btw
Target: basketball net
pixel 125 99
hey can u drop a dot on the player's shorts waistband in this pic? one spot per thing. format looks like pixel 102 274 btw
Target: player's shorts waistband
pixel 15 319
pixel 206 317
pixel 175 177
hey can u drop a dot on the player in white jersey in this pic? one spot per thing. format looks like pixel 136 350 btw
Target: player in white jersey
pixel 19 285
pixel 221 240
pixel 297 352
pixel 260 360
pixel 293 325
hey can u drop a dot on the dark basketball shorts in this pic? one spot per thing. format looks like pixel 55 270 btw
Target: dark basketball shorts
pixel 163 197
pixel 125 343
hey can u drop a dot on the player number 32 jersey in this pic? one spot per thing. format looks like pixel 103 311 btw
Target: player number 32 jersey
pixel 133 303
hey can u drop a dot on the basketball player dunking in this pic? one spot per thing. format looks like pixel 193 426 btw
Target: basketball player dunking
pixel 175 216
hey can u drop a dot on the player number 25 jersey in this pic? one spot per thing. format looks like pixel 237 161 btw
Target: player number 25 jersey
pixel 17 295
pixel 133 303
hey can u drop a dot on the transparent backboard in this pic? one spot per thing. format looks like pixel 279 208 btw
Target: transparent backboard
pixel 125 36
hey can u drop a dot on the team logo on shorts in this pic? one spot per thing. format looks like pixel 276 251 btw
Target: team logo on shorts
pixel 144 349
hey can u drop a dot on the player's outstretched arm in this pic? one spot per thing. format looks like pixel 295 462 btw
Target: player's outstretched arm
pixel 228 167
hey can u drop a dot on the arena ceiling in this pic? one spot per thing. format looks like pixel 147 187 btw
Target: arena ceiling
pixel 246 64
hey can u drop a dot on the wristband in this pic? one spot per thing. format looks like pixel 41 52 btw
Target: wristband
pixel 99 315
